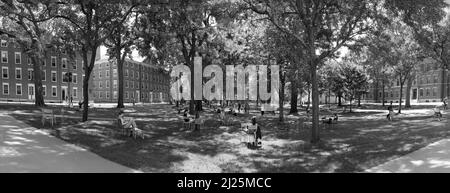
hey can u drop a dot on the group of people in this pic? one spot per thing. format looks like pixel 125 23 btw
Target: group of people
pixel 436 109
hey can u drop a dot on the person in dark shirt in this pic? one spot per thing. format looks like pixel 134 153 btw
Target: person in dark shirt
pixel 258 133
pixel 185 115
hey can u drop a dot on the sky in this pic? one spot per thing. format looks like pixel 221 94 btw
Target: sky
pixel 135 55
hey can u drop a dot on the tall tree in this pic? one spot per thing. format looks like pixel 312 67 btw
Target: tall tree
pixel 92 23
pixel 29 24
pixel 431 28
pixel 120 44
pixel 321 27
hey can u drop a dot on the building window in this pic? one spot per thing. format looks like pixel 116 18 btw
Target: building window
pixel 44 90
pixel 44 75
pixel 114 73
pixel 75 78
pixel 107 95
pixel 54 78
pixel 4 56
pixel 53 61
pixel 18 57
pixel 75 65
pixel 63 77
pixel 100 74
pixel 132 74
pixel 115 84
pixel 19 73
pixel 115 94
pixel 126 95
pixel 132 84
pixel 29 61
pixel 428 92
pixel 75 92
pixel 54 91
pixel 64 63
pixel 107 73
pixel 434 91
pixel 5 88
pixel 127 84
pixel 100 95
pixel 107 84
pixel 100 85
pixel 18 89
pixel 4 43
pixel 137 75
pixel 5 73
pixel 30 74
pixel 126 73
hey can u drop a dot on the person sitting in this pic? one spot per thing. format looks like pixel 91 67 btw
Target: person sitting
pixel 437 112
pixel 128 123
pixel 336 117
pixel 186 116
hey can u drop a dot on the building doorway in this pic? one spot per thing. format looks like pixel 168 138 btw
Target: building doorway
pixel 63 93
pixel 31 95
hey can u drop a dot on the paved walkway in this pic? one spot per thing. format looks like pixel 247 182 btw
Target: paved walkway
pixel 435 158
pixel 26 149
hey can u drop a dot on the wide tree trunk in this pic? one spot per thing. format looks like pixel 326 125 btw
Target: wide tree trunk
pixel 88 66
pixel 38 89
pixel 401 97
pixel 294 97
pixel 120 74
pixel 340 100
pixel 315 133
pixel 408 92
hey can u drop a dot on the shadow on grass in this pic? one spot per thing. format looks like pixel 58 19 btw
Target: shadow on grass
pixel 359 141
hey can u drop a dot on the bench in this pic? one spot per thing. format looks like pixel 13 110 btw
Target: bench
pixel 48 114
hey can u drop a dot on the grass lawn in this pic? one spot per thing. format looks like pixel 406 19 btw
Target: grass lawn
pixel 359 141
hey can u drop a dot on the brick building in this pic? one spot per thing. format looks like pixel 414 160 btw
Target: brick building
pixel 425 87
pixel 17 75
pixel 142 82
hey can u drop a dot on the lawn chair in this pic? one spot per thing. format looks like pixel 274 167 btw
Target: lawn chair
pixel 48 114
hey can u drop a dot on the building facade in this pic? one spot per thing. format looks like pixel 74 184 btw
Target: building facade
pixel 17 79
pixel 426 86
pixel 143 82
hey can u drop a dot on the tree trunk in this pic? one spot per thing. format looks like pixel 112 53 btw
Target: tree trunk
pixel 350 105
pixel 88 66
pixel 294 97
pixel 281 95
pixel 340 100
pixel 359 100
pixel 444 83
pixel 383 92
pixel 120 74
pixel 85 96
pixel 401 96
pixel 37 73
pixel 408 92
pixel 315 100
pixel 192 102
